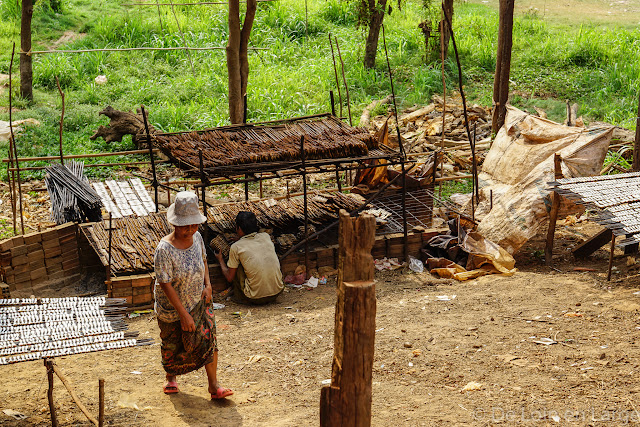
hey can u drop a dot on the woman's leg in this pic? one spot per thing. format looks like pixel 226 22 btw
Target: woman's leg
pixel 215 390
pixel 212 372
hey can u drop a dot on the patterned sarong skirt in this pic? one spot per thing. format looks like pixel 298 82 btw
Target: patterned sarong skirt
pixel 184 352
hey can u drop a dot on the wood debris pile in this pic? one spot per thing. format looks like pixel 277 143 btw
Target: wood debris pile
pixel 421 129
pixel 325 137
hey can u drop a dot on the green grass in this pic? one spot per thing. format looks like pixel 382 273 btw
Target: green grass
pixel 598 67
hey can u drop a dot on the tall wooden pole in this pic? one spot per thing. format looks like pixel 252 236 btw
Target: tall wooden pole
pixel 347 401
pixel 52 407
pixel 503 65
pixel 553 214
pixel 636 145
pixel 26 70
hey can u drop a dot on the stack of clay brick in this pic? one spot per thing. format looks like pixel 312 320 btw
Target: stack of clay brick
pixel 34 258
pixel 136 289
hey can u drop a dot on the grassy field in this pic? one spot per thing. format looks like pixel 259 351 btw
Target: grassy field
pixel 595 64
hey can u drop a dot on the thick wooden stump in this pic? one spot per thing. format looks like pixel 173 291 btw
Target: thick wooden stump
pixel 347 402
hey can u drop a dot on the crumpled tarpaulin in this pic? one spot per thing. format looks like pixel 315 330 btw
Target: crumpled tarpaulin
pixel 520 164
pixel 448 252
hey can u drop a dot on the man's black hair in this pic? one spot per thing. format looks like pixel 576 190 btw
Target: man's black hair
pixel 247 222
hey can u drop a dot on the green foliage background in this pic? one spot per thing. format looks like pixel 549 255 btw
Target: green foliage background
pixel 596 66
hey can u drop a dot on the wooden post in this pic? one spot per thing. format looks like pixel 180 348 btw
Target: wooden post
pixel 26 70
pixel 347 401
pixel 553 214
pixel 503 65
pixel 52 408
pixel 101 402
pixel 613 248
pixel 153 163
pixel 636 146
pixel 73 394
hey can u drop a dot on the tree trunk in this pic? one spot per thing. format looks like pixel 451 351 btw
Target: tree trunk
pixel 26 71
pixel 503 65
pixel 233 63
pixel 244 44
pixel 237 57
pixel 376 12
pixel 445 31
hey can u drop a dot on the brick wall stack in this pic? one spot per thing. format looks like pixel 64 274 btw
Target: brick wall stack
pixel 136 289
pixel 35 258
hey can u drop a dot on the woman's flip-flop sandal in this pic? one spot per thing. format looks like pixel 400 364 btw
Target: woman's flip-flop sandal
pixel 221 393
pixel 171 388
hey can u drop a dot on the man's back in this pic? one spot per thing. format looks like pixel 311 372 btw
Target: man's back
pixel 257 255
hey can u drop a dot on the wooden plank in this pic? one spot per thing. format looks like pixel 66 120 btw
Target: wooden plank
pixel 592 244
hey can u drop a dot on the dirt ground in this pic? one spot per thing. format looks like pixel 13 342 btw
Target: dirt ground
pixel 427 351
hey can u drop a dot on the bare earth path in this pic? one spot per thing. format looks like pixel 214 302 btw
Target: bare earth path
pixel 276 357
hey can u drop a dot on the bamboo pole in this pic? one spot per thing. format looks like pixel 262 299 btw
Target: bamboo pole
pixel 11 175
pixel 335 71
pixel 612 250
pixel 73 394
pixel 84 156
pixel 405 229
pixel 344 79
pixel 184 41
pixel 61 118
pixel 101 402
pixel 96 165
pixel 12 137
pixel 153 164
pixel 130 49
pixel 52 407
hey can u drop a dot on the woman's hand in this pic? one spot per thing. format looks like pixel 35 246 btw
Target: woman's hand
pixel 187 323
pixel 206 293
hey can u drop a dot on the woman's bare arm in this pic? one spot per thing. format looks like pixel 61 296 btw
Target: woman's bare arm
pixel 186 321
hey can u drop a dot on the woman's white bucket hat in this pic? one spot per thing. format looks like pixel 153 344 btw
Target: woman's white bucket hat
pixel 185 211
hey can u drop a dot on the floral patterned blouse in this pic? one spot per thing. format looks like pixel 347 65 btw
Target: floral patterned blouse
pixel 184 270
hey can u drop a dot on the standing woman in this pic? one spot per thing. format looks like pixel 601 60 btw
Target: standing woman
pixel 183 298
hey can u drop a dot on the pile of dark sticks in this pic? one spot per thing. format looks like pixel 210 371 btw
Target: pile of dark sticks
pixel 72 197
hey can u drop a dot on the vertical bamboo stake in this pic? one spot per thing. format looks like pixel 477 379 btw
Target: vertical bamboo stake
pixel 61 118
pixel 612 250
pixel 159 15
pixel 553 214
pixel 403 155
pixel 335 71
pixel 184 41
pixel 306 211
pixel 636 144
pixel 153 164
pixel 344 79
pixel 13 139
pixel 11 176
pixel 101 402
pixel 52 407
